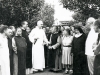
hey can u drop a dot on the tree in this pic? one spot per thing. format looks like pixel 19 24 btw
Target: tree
pixel 47 15
pixel 12 12
pixel 88 8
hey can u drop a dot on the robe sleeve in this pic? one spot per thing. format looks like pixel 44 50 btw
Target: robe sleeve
pixel 72 50
pixel 31 36
pixel 45 38
pixel 58 42
pixel 14 45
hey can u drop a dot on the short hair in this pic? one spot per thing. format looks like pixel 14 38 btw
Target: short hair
pixel 23 22
pixel 3 28
pixel 97 23
pixel 11 27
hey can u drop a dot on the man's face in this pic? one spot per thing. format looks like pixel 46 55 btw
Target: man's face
pixel 97 30
pixel 40 24
pixel 25 25
pixel 28 29
pixel 19 31
pixel 54 29
pixel 9 32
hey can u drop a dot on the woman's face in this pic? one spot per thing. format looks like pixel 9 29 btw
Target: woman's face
pixel 19 31
pixel 77 31
pixel 28 29
pixel 65 32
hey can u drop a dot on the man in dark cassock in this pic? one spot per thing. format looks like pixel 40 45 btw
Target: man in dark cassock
pixel 46 50
pixel 10 33
pixel 53 48
pixel 96 48
pixel 29 44
pixel 24 26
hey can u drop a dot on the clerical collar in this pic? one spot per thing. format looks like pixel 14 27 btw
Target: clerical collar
pixel 78 35
pixel 18 35
pixel 38 27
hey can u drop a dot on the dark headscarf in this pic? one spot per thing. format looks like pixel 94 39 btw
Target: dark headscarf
pixel 79 29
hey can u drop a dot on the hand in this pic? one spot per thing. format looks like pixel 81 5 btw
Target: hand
pixel 36 38
pixel 53 47
pixel 94 46
pixel 49 42
pixel 50 47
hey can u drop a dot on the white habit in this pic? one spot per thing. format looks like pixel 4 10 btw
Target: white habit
pixel 38 60
pixel 4 56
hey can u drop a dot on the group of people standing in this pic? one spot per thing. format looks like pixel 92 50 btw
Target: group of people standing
pixel 24 51
pixel 15 50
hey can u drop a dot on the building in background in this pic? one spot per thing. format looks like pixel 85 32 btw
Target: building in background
pixel 61 14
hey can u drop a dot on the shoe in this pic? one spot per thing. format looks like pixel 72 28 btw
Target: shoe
pixel 35 72
pixel 51 70
pixel 71 71
pixel 66 71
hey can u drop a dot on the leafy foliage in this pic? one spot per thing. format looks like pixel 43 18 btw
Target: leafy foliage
pixel 88 8
pixel 12 12
pixel 47 15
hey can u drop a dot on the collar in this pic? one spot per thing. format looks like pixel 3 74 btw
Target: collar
pixel 23 28
pixel 78 35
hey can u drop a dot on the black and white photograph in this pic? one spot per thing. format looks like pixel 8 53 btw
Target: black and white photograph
pixel 49 37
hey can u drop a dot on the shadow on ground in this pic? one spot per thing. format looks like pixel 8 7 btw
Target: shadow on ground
pixel 46 72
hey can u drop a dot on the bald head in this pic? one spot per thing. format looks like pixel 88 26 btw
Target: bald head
pixel 90 22
pixel 91 19
pixel 40 24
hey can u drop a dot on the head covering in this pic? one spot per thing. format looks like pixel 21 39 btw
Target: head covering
pixel 79 28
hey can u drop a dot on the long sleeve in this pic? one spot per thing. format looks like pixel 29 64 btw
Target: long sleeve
pixel 72 46
pixel 14 45
pixel 82 52
pixel 31 36
pixel 45 38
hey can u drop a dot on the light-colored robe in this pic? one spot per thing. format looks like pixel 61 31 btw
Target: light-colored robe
pixel 38 60
pixel 4 56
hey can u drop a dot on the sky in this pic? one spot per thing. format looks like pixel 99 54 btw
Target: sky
pixel 61 14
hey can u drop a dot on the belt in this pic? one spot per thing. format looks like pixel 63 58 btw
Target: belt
pixel 67 46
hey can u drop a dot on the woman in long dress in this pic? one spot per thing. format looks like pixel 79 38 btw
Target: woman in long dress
pixel 66 49
pixel 78 50
pixel 20 44
pixel 4 52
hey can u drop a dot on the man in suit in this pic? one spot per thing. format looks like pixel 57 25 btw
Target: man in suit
pixel 10 33
pixel 96 48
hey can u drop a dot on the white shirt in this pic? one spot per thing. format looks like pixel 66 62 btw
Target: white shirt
pixel 91 40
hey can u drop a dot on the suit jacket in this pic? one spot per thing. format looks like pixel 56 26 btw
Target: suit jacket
pixel 96 52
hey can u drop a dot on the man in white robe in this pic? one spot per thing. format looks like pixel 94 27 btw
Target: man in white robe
pixel 38 37
pixel 4 52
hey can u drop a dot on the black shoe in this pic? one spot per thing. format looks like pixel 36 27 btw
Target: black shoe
pixel 35 72
pixel 40 70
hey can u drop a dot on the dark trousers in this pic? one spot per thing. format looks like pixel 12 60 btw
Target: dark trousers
pixel 97 65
